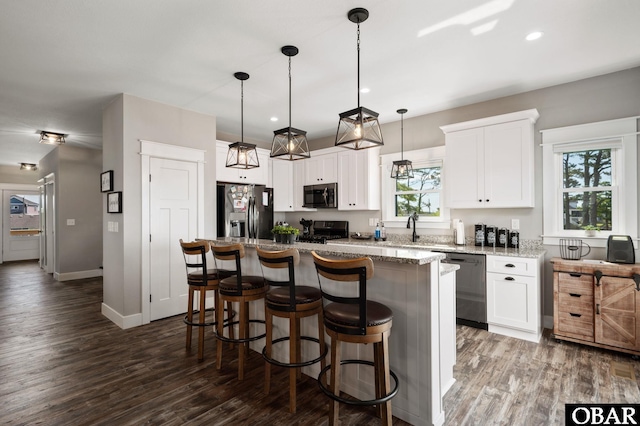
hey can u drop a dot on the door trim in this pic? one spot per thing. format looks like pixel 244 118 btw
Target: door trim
pixel 9 187
pixel 148 150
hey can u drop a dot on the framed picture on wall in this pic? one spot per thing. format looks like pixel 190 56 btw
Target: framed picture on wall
pixel 106 181
pixel 114 202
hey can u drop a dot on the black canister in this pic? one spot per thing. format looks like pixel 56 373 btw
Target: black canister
pixel 491 234
pixel 503 238
pixel 479 234
pixel 514 239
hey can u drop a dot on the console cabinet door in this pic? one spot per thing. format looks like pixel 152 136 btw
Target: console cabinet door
pixel 617 320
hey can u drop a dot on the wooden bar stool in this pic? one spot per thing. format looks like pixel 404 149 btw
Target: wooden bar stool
pixel 285 299
pixel 355 320
pixel 200 279
pixel 241 289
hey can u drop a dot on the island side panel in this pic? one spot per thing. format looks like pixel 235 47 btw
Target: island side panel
pixel 411 291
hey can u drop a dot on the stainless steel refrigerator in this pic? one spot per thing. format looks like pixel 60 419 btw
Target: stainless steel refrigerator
pixel 244 210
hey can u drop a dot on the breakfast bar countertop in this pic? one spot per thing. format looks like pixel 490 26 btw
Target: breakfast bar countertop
pixel 408 255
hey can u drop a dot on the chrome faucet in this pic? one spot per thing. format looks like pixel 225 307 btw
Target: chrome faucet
pixel 413 216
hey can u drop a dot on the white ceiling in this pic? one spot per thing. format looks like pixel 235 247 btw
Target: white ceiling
pixel 63 61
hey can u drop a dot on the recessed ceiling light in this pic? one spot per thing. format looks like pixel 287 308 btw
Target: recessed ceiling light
pixel 534 35
pixel 274 118
pixel 365 90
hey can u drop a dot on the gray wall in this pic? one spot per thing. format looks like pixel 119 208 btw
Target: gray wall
pixel 13 174
pixel 126 120
pixel 77 196
pixel 606 97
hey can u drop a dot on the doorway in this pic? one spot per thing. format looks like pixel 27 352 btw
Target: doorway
pixel 172 209
pixel 20 224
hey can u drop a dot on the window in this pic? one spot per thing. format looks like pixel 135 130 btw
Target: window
pixel 421 194
pixel 590 180
pixel 587 189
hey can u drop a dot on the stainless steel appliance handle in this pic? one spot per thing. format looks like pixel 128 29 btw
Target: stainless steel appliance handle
pixel 251 218
pixel 248 222
pixel 256 219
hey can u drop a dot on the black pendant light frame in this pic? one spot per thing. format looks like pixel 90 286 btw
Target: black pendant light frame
pixel 242 155
pixel 290 143
pixel 402 169
pixel 359 128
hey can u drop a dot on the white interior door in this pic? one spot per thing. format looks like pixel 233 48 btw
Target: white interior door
pixel 21 225
pixel 173 210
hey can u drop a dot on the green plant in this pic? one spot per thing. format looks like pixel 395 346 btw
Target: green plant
pixel 285 230
pixel 591 228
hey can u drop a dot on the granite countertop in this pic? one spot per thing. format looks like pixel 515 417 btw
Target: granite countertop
pixel 407 255
pixel 531 252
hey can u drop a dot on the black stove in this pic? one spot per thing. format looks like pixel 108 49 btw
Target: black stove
pixel 324 230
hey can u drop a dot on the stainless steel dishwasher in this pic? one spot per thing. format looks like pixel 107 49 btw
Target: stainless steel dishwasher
pixel 471 289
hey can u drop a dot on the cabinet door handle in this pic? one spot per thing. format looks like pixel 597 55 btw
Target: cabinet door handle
pixel 479 201
pixel 509 265
pixel 575 295
pixel 598 308
pixel 575 315
pixel 510 279
pixel 487 200
pixel 575 275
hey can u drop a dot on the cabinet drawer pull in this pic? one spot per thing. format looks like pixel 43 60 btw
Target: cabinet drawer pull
pixel 575 315
pixel 509 265
pixel 575 295
pixel 510 279
pixel 575 275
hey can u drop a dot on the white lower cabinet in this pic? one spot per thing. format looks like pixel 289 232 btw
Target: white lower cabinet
pixel 514 297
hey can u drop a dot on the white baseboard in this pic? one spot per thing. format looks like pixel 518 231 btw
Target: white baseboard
pixel 519 334
pixel 121 321
pixel 78 275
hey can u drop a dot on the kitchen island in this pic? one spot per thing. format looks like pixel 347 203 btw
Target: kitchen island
pixel 408 281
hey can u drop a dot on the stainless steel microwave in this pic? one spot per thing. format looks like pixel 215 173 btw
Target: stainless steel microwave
pixel 321 196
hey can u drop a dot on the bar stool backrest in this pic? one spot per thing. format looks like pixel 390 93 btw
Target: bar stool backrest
pixel 227 259
pixel 195 259
pixel 279 260
pixel 341 271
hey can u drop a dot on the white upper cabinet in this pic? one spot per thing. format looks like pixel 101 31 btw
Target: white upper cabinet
pixel 320 169
pixel 359 179
pixel 489 162
pixel 283 187
pixel 258 175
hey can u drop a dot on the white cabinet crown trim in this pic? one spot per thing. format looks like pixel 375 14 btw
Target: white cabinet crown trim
pixel 530 114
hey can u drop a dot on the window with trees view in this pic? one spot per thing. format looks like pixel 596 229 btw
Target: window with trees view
pixel 587 189
pixel 420 194
pixel 590 180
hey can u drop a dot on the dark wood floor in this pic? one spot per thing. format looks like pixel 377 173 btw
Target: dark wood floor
pixel 62 362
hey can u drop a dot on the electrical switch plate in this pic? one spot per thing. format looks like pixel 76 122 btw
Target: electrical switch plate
pixel 71 222
pixel 372 221
pixel 515 224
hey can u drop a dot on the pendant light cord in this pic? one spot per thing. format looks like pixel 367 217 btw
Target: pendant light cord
pixel 289 95
pixel 241 111
pixel 401 136
pixel 358 48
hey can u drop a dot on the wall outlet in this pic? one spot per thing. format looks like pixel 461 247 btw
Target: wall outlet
pixel 372 221
pixel 71 222
pixel 515 224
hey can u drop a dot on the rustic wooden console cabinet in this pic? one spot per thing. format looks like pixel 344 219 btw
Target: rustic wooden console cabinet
pixel 597 304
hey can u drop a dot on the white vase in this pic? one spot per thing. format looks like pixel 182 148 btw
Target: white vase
pixel 590 232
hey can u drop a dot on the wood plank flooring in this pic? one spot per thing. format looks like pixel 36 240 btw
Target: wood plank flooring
pixel 62 362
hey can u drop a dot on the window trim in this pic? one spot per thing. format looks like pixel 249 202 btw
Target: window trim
pixel 426 157
pixel 619 135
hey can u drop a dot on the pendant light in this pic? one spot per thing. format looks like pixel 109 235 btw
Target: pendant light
pixel 242 155
pixel 359 128
pixel 402 169
pixel 290 143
